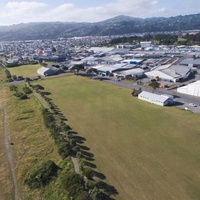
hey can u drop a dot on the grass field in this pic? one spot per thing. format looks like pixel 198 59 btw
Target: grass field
pixel 25 70
pixel 32 145
pixel 6 189
pixel 145 151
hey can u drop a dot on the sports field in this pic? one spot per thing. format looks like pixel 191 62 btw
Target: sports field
pixel 146 152
pixel 25 70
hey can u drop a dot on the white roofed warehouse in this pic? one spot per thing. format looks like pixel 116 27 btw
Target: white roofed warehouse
pixel 190 89
pixel 45 71
pixel 161 100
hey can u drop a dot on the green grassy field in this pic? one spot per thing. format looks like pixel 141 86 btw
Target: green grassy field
pixel 145 151
pixel 32 145
pixel 25 70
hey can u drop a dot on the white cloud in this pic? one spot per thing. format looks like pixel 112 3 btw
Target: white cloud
pixel 137 8
pixel 17 12
pixel 26 11
pixel 24 5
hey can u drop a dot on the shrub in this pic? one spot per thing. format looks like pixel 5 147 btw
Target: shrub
pixel 21 95
pixel 42 175
pixel 27 90
pixel 13 88
pixel 38 87
pixel 8 74
pixel 73 183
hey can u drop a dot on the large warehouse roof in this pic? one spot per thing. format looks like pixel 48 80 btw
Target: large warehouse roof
pixel 191 89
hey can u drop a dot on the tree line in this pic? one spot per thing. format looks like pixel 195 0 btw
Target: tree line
pixel 160 39
pixel 83 186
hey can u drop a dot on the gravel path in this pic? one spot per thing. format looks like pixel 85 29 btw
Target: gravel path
pixel 44 104
pixel 9 154
pixel 76 166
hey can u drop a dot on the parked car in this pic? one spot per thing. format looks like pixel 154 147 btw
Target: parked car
pixel 192 104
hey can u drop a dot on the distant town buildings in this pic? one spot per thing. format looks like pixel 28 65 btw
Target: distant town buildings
pixel 168 64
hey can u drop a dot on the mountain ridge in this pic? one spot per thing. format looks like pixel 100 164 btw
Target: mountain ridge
pixel 118 25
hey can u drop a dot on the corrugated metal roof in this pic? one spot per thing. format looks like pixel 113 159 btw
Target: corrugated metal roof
pixel 153 96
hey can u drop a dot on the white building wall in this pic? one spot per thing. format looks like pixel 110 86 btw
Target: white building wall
pixel 191 89
pixel 154 98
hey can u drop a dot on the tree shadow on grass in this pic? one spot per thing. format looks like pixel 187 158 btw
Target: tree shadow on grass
pixel 110 190
pixel 45 93
pixel 79 139
pixel 99 175
pixel 84 148
pixel 87 154
pixel 89 164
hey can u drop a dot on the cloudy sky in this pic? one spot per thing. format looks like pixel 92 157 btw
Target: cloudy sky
pixel 14 12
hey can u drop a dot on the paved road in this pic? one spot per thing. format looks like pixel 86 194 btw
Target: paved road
pixel 181 100
pixel 9 153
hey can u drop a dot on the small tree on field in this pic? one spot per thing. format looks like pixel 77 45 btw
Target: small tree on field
pixel 13 88
pixel 27 90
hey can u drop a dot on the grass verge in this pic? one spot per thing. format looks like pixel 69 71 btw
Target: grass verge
pixel 145 151
pixel 6 189
pixel 25 70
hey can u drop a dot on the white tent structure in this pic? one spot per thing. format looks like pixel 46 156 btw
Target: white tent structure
pixel 191 89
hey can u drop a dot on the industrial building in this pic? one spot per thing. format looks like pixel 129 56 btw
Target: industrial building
pixel 190 89
pixel 136 72
pixel 191 62
pixel 161 100
pixel 170 73
pixel 145 44
pixel 45 71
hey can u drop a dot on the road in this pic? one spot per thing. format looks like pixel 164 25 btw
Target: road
pixel 9 153
pixel 181 100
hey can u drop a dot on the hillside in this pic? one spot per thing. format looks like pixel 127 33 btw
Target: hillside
pixel 116 26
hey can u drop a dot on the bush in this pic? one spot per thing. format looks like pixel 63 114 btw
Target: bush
pixel 8 75
pixel 135 92
pixel 38 87
pixel 88 172
pixel 73 183
pixel 48 118
pixel 13 88
pixel 42 175
pixel 27 90
pixel 21 95
pixel 64 149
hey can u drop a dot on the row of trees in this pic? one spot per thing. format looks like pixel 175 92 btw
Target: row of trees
pixel 79 186
pixel 42 175
pixel 161 39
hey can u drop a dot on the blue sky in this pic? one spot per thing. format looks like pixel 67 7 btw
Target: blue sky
pixel 24 11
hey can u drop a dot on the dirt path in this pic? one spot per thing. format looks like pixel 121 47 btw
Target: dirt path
pixel 76 166
pixel 9 154
pixel 74 160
